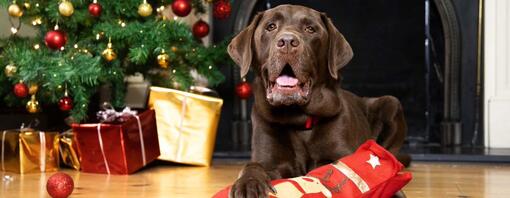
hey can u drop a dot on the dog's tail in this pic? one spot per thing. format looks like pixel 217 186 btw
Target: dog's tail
pixel 405 159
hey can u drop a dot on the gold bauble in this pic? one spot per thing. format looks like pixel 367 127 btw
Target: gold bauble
pixel 174 49
pixel 66 8
pixel 15 11
pixel 33 105
pixel 145 9
pixel 109 54
pixel 33 88
pixel 10 70
pixel 163 60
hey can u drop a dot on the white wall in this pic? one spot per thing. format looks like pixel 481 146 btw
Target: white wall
pixel 5 26
pixel 497 74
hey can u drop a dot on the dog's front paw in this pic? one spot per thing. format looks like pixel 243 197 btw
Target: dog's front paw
pixel 252 187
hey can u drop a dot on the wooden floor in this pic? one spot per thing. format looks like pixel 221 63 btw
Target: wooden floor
pixel 430 180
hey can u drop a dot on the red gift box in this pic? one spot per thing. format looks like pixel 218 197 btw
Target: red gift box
pixel 118 148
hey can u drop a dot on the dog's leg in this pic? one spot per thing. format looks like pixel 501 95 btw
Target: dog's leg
pixel 387 122
pixel 388 125
pixel 272 157
pixel 253 182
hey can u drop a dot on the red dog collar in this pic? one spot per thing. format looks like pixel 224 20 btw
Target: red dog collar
pixel 310 122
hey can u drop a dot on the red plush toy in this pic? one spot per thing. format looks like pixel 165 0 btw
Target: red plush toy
pixel 371 172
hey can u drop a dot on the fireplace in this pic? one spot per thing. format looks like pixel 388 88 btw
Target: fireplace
pixel 435 82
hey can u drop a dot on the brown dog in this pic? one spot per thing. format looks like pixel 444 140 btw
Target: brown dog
pixel 302 118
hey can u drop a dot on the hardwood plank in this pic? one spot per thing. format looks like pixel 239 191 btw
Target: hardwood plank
pixel 430 180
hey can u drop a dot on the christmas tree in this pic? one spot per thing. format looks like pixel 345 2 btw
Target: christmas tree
pixel 82 44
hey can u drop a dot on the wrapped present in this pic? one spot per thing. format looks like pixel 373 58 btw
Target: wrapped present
pixel 187 125
pixel 118 148
pixel 69 150
pixel 28 150
pixel 371 172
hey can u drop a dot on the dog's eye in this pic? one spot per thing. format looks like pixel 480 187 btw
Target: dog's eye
pixel 271 27
pixel 309 29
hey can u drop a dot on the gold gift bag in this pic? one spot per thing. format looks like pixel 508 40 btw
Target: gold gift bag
pixel 186 124
pixel 27 150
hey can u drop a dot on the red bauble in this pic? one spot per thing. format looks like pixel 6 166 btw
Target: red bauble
pixel 200 29
pixel 60 185
pixel 55 39
pixel 65 103
pixel 222 9
pixel 243 90
pixel 20 90
pixel 181 7
pixel 95 9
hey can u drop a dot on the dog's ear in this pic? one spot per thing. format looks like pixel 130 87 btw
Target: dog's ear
pixel 240 48
pixel 340 52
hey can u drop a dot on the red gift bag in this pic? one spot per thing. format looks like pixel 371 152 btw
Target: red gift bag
pixel 371 171
pixel 118 148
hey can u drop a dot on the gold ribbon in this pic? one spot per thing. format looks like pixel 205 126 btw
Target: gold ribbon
pixel 353 176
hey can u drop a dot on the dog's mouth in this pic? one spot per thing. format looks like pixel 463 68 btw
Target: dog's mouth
pixel 287 88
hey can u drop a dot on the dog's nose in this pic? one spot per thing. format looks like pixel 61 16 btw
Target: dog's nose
pixel 287 41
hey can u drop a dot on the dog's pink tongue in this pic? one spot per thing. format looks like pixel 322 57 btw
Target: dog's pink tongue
pixel 285 80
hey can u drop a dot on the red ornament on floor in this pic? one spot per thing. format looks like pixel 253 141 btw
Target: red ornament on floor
pixel 20 90
pixel 181 7
pixel 95 9
pixel 200 29
pixel 65 103
pixel 243 90
pixel 55 39
pixel 60 185
pixel 222 9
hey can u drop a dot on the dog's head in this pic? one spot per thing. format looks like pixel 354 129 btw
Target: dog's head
pixel 292 48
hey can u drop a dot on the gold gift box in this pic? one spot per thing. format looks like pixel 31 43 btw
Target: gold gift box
pixel 27 150
pixel 68 150
pixel 187 125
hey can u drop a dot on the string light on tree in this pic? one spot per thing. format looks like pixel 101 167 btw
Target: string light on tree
pixel 145 9
pixel 27 5
pixel 14 30
pixel 37 21
pixel 65 8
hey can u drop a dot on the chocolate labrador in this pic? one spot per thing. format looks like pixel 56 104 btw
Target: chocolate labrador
pixel 302 118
